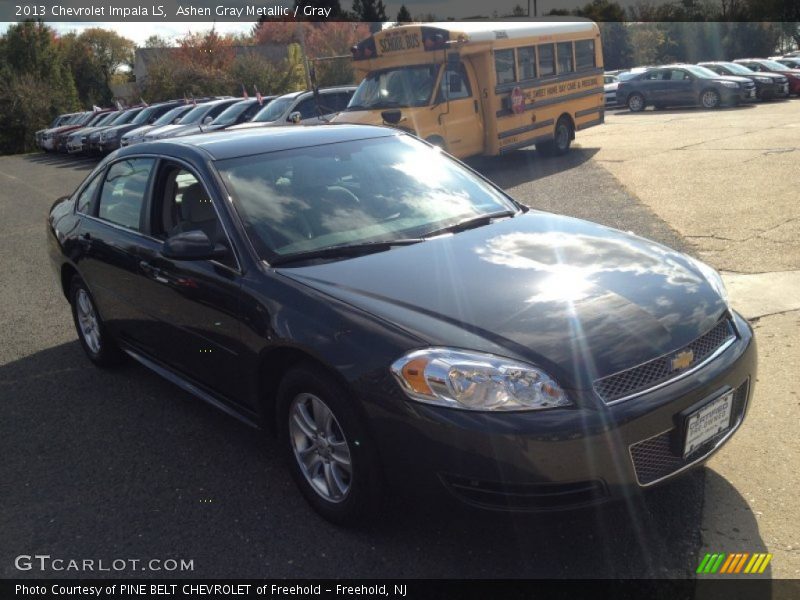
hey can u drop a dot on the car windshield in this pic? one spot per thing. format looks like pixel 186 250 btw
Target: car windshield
pixel 230 114
pixel 773 64
pixel 353 193
pixel 273 110
pixel 701 72
pixel 108 118
pixel 400 87
pixel 627 76
pixel 171 115
pixel 737 69
pixel 195 115
pixel 127 116
pixel 144 115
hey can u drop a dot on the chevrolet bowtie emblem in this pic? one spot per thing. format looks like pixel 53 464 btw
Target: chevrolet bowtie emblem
pixel 682 360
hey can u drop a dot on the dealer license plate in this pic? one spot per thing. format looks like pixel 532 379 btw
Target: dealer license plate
pixel 706 422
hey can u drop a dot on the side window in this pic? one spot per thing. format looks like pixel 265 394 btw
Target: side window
pixel 547 60
pixel 526 58
pixel 584 55
pixel 250 112
pixel 656 75
pixel 678 75
pixel 83 204
pixel 124 189
pixel 564 52
pixel 504 66
pixel 342 100
pixel 182 204
pixel 307 108
pixel 454 84
pixel 214 112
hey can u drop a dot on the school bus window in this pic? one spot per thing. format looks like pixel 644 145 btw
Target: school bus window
pixel 504 66
pixel 547 63
pixel 564 53
pixel 584 55
pixel 526 58
pixel 454 85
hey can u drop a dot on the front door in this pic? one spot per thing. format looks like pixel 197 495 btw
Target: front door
pixel 460 112
pixel 195 301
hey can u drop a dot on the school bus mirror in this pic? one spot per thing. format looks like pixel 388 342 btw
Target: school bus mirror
pixel 392 117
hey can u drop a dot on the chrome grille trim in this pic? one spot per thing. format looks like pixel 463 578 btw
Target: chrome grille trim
pixel 610 399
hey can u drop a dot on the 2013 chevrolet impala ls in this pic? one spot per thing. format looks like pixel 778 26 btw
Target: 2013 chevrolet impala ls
pixel 399 322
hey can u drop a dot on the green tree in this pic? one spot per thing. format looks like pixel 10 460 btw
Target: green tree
pixel 403 16
pixel 35 84
pixel 109 50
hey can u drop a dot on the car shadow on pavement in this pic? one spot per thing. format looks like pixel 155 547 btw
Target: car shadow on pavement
pixel 63 161
pixel 120 463
pixel 688 110
pixel 525 165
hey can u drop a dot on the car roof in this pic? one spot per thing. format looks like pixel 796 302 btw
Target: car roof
pixel 222 145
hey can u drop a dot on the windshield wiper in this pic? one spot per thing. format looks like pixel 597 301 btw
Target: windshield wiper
pixel 345 250
pixel 471 223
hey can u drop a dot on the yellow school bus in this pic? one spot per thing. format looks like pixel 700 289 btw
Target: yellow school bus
pixel 482 88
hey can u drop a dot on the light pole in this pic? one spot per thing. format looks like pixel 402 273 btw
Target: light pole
pixel 534 8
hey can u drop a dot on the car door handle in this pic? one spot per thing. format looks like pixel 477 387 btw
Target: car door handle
pixel 152 271
pixel 475 103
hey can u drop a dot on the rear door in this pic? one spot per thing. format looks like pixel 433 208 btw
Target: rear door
pixel 112 237
pixel 681 86
pixel 460 111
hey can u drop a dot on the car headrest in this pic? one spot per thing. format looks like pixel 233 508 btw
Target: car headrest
pixel 196 206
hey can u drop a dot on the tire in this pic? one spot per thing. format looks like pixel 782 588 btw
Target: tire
pixel 710 99
pixel 636 102
pixel 339 477
pixel 562 138
pixel 92 333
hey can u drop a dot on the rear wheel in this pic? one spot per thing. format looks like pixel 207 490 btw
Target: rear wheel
pixel 710 99
pixel 92 333
pixel 327 448
pixel 562 138
pixel 636 102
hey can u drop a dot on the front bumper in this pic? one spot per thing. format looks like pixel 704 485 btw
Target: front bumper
pixel 561 458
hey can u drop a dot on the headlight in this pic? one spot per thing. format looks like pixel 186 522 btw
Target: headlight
pixel 112 135
pixel 730 84
pixel 476 381
pixel 713 278
pixel 763 79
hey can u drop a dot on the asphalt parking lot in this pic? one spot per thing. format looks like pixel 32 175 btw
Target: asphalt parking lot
pixel 121 464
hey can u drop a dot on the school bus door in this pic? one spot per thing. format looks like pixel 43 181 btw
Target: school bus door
pixel 461 118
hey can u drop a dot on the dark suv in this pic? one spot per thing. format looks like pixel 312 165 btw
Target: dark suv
pixel 768 85
pixel 675 85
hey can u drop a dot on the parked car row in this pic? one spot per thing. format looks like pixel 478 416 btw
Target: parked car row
pixel 101 131
pixel 708 84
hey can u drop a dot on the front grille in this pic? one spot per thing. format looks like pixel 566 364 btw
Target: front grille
pixel 662 455
pixel 659 370
pixel 525 496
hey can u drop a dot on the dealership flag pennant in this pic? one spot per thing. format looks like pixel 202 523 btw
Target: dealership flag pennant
pixel 259 97
pixel 244 92
pixel 145 104
pixel 95 108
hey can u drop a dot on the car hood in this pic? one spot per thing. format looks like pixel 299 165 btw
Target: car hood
pixel 139 131
pixel 735 78
pixel 579 299
pixel 170 130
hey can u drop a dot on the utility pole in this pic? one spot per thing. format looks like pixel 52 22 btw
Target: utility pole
pixel 534 8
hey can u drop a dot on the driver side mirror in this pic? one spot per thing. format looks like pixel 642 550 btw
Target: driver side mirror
pixel 295 117
pixel 192 245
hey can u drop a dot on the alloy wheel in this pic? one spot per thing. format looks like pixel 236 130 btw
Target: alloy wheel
pixel 320 447
pixel 87 321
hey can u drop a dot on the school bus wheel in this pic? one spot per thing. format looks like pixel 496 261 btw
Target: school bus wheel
pixel 563 134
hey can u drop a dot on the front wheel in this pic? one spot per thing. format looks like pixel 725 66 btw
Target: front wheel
pixel 328 450
pixel 710 99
